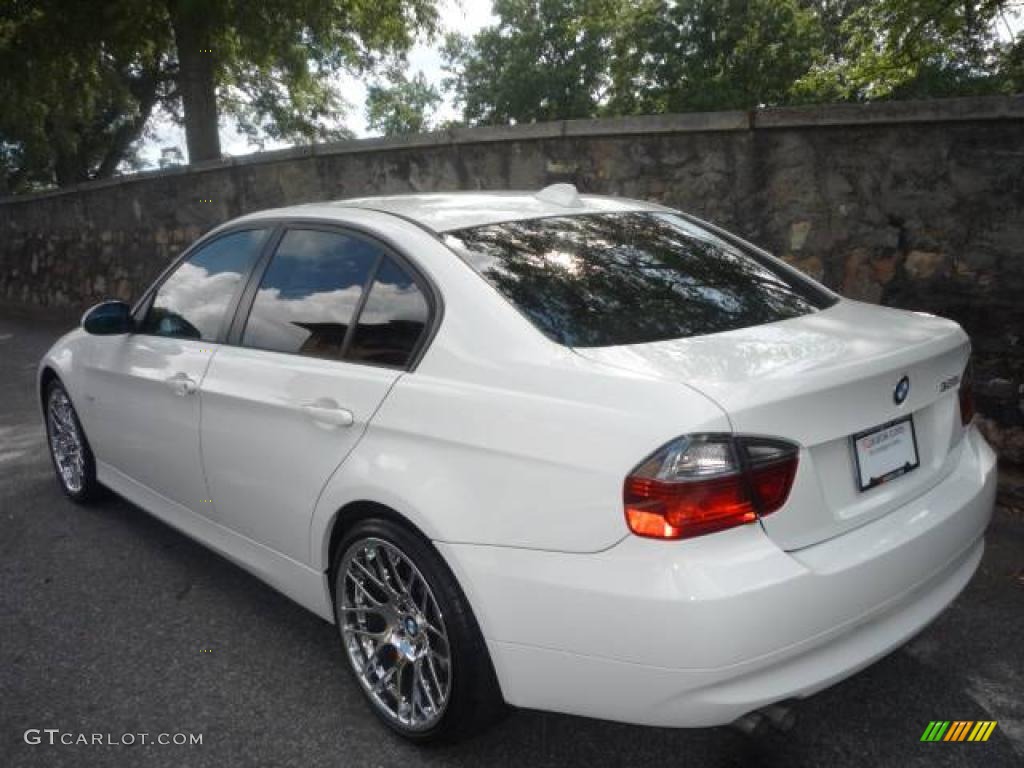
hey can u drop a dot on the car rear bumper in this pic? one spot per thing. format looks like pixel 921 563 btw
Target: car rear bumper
pixel 700 632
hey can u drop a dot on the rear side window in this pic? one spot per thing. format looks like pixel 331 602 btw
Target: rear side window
pixel 310 292
pixel 192 301
pixel 392 320
pixel 631 278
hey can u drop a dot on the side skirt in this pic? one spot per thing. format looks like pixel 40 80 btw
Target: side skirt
pixel 306 586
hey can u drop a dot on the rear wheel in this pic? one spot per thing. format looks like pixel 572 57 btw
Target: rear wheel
pixel 69 450
pixel 409 635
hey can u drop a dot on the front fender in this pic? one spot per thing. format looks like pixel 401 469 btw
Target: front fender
pixel 64 358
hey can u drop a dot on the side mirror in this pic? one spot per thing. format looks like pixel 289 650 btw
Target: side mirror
pixel 109 318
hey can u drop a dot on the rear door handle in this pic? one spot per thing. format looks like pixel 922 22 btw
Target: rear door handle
pixel 181 384
pixel 328 412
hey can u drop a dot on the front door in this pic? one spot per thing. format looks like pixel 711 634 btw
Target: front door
pixel 142 390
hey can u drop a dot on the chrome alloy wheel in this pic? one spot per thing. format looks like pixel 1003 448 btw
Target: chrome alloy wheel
pixel 394 633
pixel 65 440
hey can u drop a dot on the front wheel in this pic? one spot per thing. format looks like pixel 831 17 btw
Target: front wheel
pixel 69 450
pixel 410 637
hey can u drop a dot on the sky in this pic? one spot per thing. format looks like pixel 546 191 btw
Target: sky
pixel 465 16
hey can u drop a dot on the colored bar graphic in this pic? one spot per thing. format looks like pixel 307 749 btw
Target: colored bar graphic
pixel 958 730
pixel 982 730
pixel 935 730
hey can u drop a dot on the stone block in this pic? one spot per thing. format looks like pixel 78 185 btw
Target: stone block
pixel 921 265
pixel 798 232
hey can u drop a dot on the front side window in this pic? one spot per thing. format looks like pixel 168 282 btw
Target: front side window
pixel 310 293
pixel 193 301
pixel 598 280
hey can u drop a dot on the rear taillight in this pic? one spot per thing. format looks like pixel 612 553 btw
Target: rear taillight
pixel 699 484
pixel 967 395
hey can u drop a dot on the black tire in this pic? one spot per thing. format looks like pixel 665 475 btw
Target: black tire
pixel 474 700
pixel 89 488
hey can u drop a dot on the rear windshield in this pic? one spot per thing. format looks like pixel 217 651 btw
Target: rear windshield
pixel 629 278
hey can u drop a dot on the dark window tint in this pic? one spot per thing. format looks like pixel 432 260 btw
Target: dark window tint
pixel 192 302
pixel 629 278
pixel 310 292
pixel 392 319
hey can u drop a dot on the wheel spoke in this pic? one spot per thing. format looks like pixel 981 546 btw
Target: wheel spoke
pixel 375 561
pixel 393 565
pixel 363 590
pixel 367 633
pixel 419 678
pixel 374 579
pixel 414 694
pixel 383 680
pixel 373 610
pixel 433 671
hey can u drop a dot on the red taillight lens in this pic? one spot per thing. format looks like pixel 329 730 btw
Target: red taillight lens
pixel 771 483
pixel 704 483
pixel 679 510
pixel 967 395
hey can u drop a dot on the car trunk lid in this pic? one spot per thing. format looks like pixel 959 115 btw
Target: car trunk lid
pixel 817 380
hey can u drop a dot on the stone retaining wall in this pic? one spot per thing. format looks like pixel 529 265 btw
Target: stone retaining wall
pixel 912 204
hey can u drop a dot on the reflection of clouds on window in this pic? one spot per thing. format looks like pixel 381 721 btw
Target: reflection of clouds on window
pixel 310 292
pixel 313 245
pixel 199 297
pixel 392 319
pixel 193 301
pixel 394 303
pixel 284 323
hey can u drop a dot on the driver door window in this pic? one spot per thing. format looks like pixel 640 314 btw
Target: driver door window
pixel 194 299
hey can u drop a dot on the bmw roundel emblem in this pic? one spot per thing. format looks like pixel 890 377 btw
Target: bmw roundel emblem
pixel 902 390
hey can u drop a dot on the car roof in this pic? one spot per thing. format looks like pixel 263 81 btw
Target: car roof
pixel 447 211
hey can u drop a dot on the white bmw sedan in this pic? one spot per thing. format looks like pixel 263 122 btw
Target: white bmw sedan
pixel 573 453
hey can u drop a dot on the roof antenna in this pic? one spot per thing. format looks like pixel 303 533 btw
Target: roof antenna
pixel 564 195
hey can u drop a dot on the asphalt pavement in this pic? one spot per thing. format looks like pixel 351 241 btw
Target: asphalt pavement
pixel 112 623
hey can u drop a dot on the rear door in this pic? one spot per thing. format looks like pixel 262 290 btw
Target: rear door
pixel 141 390
pixel 323 334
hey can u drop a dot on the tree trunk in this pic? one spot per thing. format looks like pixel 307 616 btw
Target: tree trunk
pixel 196 81
pixel 144 89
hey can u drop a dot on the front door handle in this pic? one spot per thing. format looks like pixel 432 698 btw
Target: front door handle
pixel 181 384
pixel 326 411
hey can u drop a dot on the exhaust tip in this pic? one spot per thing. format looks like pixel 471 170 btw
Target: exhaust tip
pixel 751 724
pixel 779 718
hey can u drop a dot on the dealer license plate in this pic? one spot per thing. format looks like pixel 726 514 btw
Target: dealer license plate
pixel 885 453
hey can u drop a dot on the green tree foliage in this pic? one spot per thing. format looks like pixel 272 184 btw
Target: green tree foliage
pixel 712 54
pixel 917 49
pixel 545 60
pixel 401 106
pixel 82 80
pixel 77 89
